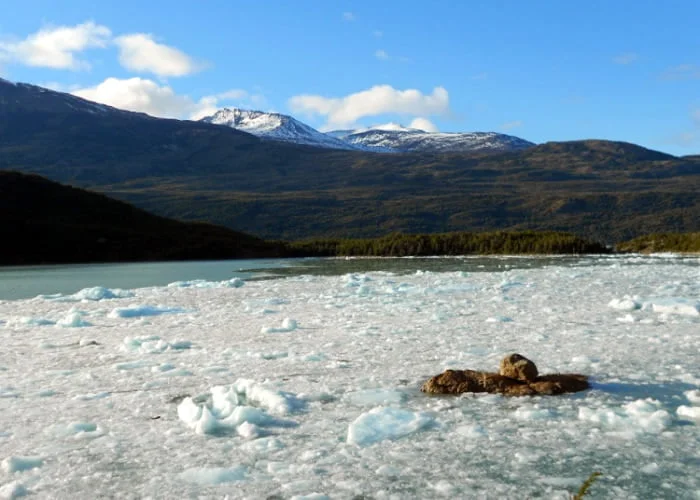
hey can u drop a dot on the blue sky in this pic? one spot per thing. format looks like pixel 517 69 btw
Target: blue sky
pixel 541 70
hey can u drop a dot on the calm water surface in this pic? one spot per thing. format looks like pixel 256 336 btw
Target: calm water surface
pixel 30 281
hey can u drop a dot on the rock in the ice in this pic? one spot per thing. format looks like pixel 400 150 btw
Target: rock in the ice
pixel 461 381
pixel 518 367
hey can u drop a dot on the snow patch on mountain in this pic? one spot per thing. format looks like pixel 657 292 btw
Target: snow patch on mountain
pixel 275 126
pixel 396 138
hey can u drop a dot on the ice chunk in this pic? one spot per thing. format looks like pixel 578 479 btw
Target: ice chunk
pixel 152 344
pixel 673 305
pixel 228 408
pixel 689 412
pixel 101 293
pixel 625 304
pixel 13 489
pixel 145 310
pixel 693 396
pixel 78 430
pixel 15 464
pixel 288 325
pixel 207 476
pixel 90 294
pixel 73 320
pixel 31 321
pixel 383 423
pixel 640 416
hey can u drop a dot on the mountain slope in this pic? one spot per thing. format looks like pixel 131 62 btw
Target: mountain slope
pixel 405 140
pixel 275 126
pixel 187 170
pixel 52 223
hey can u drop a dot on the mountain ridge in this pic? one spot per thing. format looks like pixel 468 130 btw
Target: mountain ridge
pixel 191 170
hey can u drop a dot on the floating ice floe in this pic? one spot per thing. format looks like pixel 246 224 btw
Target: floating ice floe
pixel 625 304
pixel 73 319
pixel 139 311
pixel 30 321
pixel 242 407
pixel 232 283
pixel 381 423
pixel 673 305
pixel 640 416
pixel 13 489
pixel 208 476
pixel 288 325
pixel 152 344
pixel 76 430
pixel 90 294
pixel 16 464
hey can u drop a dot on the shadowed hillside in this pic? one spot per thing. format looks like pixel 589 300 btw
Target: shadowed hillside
pixel 45 222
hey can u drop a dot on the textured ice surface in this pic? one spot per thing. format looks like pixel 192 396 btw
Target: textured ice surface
pixel 333 407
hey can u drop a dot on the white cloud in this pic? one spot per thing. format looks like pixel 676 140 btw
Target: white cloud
pixel 349 16
pixel 139 52
pixel 378 33
pixel 381 55
pixel 512 125
pixel 626 58
pixel 342 112
pixel 147 96
pixel 423 124
pixel 56 47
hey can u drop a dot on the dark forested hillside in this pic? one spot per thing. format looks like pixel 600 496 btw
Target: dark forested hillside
pixel 196 171
pixel 45 222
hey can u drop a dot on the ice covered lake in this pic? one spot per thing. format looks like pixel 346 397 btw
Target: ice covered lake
pixel 305 384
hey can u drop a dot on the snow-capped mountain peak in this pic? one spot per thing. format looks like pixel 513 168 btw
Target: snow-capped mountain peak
pixel 275 126
pixel 393 137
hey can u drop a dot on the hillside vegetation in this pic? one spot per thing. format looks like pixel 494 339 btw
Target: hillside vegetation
pixel 492 243
pixel 663 242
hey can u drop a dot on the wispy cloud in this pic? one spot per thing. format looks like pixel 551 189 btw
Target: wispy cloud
pixel 625 58
pixel 57 47
pixel 378 33
pixel 139 52
pixel 511 125
pixel 341 112
pixel 682 72
pixel 695 116
pixel 349 16
pixel 382 55
pixel 480 76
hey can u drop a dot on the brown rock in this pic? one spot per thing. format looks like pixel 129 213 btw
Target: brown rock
pixel 518 367
pixel 461 381
pixel 561 383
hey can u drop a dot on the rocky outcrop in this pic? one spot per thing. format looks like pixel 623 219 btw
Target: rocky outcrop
pixel 518 376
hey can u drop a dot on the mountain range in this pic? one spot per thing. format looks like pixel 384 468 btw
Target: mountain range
pixel 392 138
pixel 195 170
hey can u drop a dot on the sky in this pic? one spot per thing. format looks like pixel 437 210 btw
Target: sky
pixel 543 70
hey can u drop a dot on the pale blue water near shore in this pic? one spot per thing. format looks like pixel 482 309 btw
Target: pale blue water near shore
pixel 22 282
